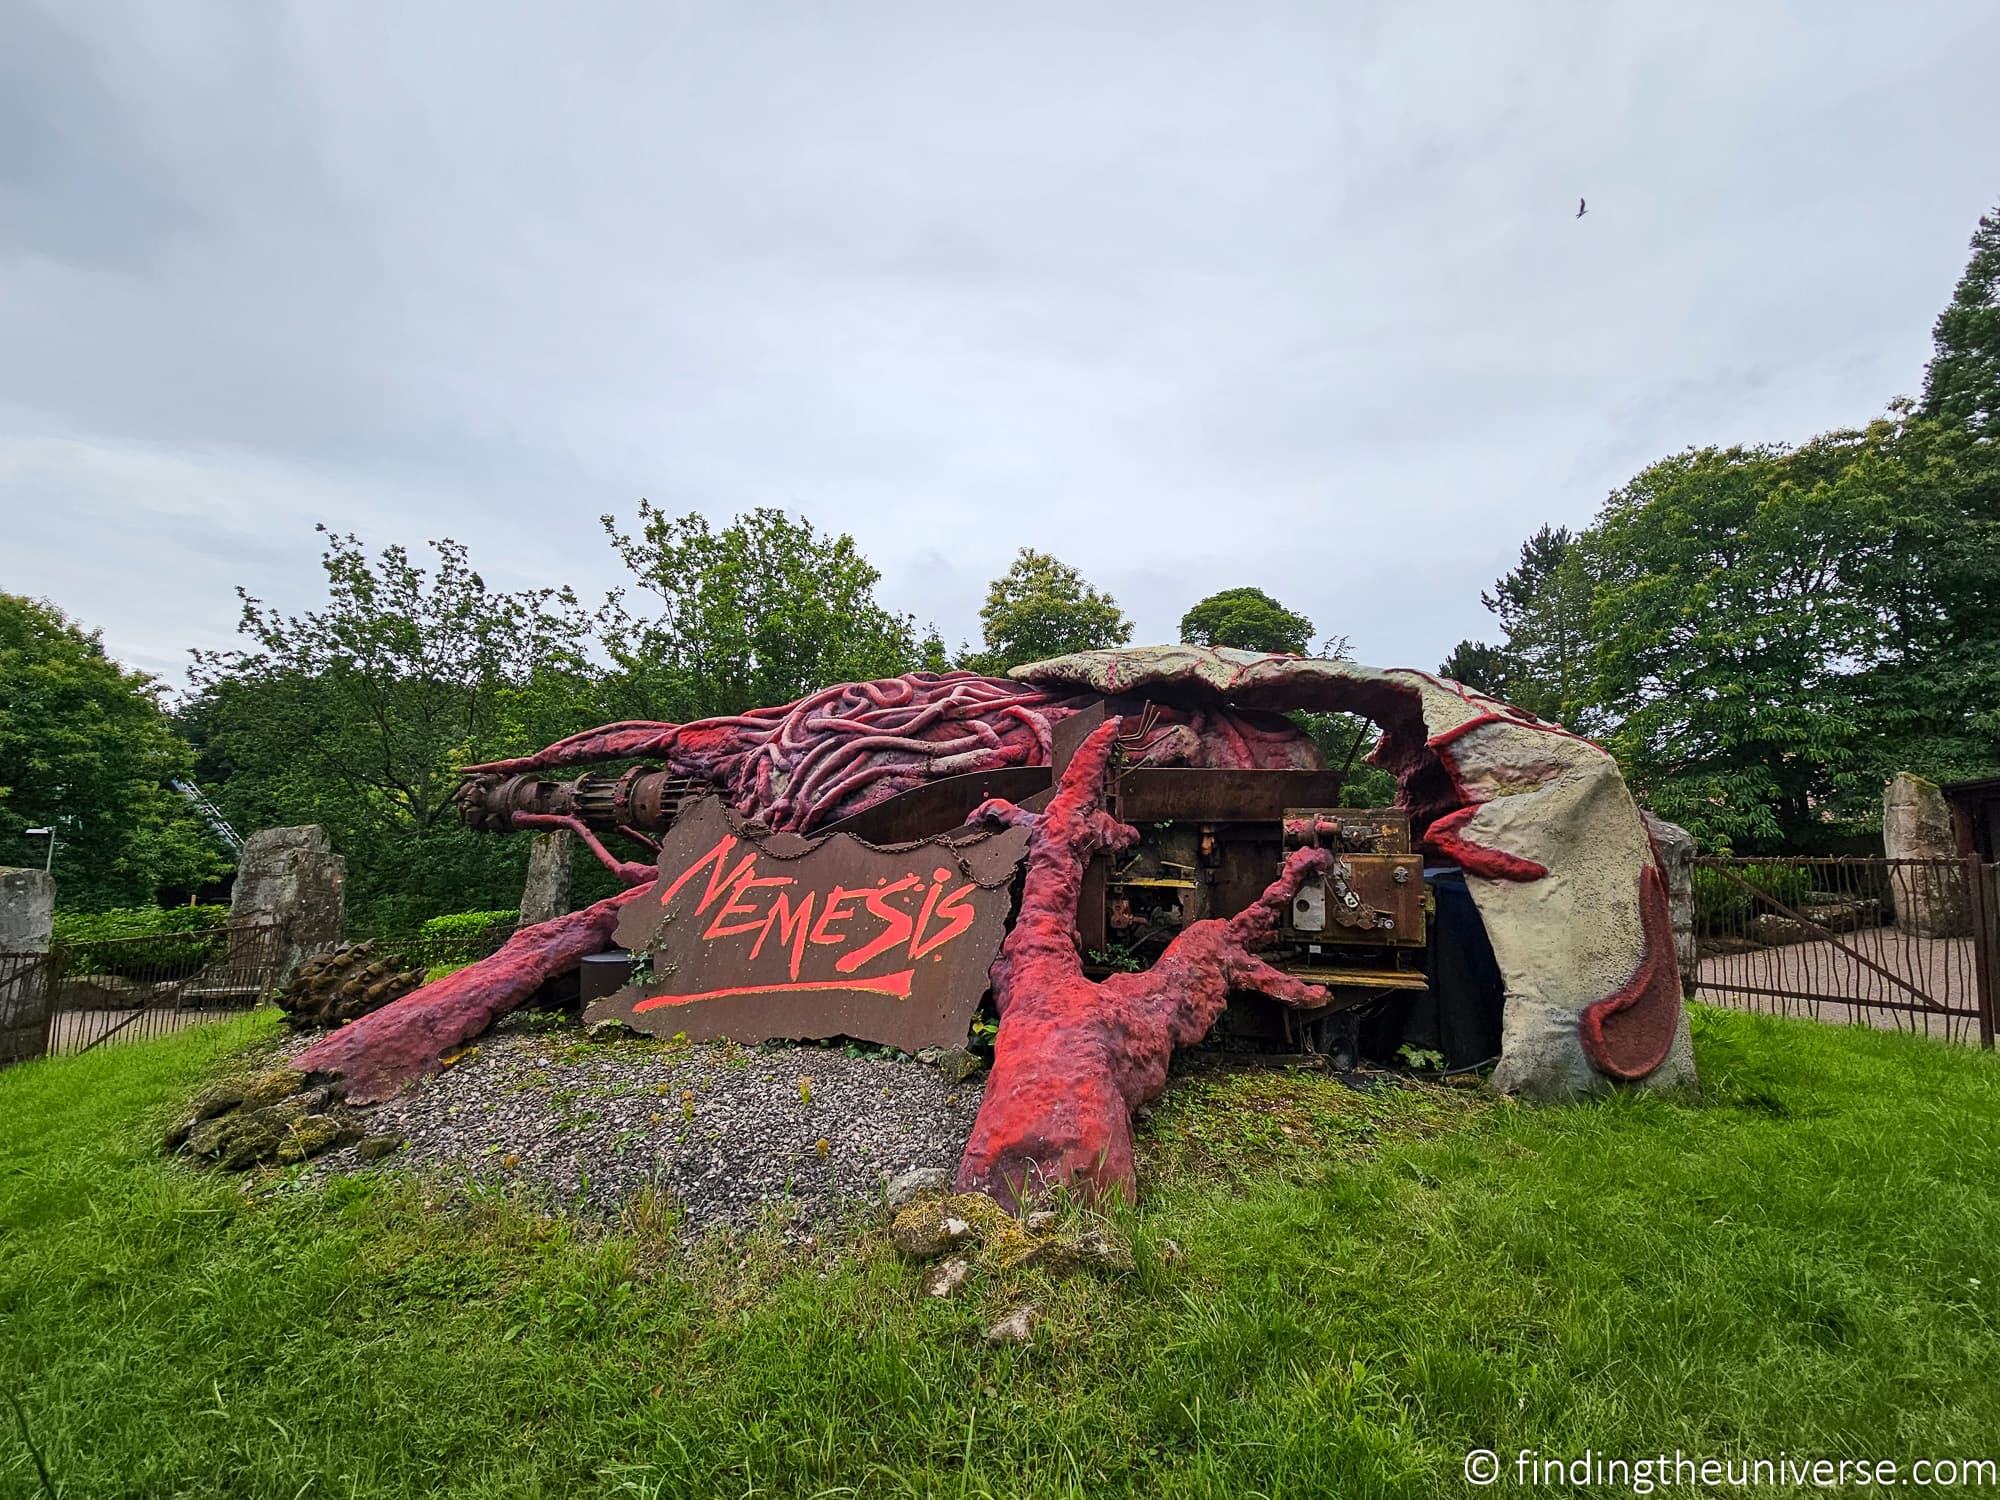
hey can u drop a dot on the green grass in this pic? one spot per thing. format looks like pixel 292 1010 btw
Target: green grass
pixel 1358 1289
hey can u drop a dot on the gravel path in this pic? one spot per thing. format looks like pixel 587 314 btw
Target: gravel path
pixel 727 1134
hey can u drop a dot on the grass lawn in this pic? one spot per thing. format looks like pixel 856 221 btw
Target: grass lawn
pixel 1336 1294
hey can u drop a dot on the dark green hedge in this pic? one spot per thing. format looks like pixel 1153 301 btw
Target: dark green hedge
pixel 1721 906
pixel 463 936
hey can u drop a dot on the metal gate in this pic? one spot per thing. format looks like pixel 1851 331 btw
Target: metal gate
pixel 83 995
pixel 1905 944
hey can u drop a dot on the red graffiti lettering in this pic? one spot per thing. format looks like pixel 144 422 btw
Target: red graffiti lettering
pixel 957 916
pixel 930 905
pixel 860 923
pixel 831 913
pixel 718 882
pixel 735 903
pixel 896 926
pixel 897 985
pixel 792 924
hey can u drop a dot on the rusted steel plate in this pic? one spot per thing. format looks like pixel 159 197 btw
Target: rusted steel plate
pixel 786 936
pixel 938 806
pixel 1373 881
pixel 1148 795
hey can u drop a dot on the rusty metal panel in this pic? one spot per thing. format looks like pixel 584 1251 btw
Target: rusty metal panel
pixel 1091 925
pixel 1383 886
pixel 1246 859
pixel 753 937
pixel 1373 892
pixel 941 805
pixel 1150 795
pixel 1071 732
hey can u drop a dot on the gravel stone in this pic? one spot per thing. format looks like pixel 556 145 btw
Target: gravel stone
pixel 728 1135
pixel 947 1277
pixel 1018 1327
pixel 906 1187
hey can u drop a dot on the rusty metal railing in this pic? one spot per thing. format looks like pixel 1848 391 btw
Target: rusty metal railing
pixel 130 989
pixel 1907 944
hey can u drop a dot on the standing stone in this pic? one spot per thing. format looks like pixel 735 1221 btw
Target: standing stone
pixel 546 893
pixel 1916 824
pixel 1676 846
pixel 290 879
pixel 27 912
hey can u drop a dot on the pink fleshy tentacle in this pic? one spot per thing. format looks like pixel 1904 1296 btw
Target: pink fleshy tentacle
pixel 629 871
pixel 631 738
pixel 799 764
pixel 1074 1058
pixel 409 1038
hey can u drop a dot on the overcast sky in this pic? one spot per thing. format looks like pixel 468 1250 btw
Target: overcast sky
pixel 1191 296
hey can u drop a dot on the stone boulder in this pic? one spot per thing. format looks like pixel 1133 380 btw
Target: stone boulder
pixel 545 894
pixel 27 912
pixel 1929 901
pixel 292 886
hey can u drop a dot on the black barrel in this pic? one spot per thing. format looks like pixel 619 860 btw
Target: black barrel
pixel 602 974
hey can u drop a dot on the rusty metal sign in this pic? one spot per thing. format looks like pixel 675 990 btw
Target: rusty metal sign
pixel 752 936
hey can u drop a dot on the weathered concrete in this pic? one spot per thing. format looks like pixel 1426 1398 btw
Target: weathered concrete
pixel 546 892
pixel 1916 824
pixel 27 910
pixel 291 879
pixel 27 913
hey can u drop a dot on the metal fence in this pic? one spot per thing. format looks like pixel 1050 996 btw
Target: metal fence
pixel 431 950
pixel 84 995
pixel 1907 944
pixel 24 988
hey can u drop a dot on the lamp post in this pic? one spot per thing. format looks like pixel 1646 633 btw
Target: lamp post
pixel 49 862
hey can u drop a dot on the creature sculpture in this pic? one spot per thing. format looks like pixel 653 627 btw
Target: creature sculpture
pixel 1571 891
pixel 1073 1059
pixel 795 767
pixel 1552 845
pixel 805 764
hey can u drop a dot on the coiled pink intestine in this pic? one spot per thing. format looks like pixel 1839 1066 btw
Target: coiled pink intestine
pixel 834 752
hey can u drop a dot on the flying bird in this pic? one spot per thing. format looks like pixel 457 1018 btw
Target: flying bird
pixel 1580 209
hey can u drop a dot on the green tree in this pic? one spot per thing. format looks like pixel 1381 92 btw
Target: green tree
pixel 1544 606
pixel 1935 697
pixel 1249 619
pixel 1763 634
pixel 1481 667
pixel 1927 695
pixel 762 611
pixel 1042 607
pixel 932 653
pixel 1962 383
pixel 1732 615
pixel 358 714
pixel 86 749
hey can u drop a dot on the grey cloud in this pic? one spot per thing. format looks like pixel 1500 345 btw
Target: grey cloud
pixel 1192 296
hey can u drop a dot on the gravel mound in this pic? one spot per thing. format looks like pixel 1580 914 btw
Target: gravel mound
pixel 726 1134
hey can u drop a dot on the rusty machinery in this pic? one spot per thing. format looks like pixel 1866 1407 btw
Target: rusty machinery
pixel 640 800
pixel 1210 841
